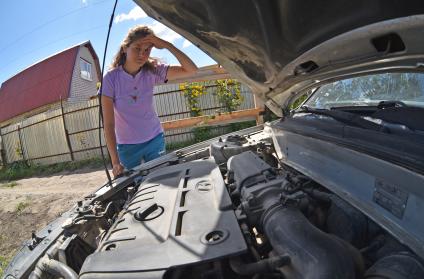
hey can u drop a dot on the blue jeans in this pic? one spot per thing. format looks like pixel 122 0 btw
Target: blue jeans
pixel 132 155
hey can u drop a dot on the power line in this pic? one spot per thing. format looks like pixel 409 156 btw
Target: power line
pixel 48 22
pixel 50 43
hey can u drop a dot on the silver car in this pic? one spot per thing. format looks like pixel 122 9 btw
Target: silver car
pixel 332 189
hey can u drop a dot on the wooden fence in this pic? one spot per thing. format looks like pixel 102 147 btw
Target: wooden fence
pixel 70 131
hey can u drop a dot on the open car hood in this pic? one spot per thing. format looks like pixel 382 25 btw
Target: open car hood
pixel 279 48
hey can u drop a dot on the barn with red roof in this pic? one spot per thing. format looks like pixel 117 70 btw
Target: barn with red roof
pixel 70 75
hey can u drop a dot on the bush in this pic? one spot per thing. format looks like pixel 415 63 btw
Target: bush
pixel 202 133
pixel 228 93
pixel 298 101
pixel 192 92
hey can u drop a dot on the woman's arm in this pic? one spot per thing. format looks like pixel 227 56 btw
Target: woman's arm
pixel 187 67
pixel 109 127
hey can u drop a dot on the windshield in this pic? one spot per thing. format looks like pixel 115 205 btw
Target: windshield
pixel 370 90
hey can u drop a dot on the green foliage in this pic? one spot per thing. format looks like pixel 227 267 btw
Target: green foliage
pixel 3 264
pixel 233 127
pixel 18 152
pixel 98 84
pixel 192 92
pixel 202 133
pixel 298 101
pixel 4 260
pixel 228 93
pixel 20 207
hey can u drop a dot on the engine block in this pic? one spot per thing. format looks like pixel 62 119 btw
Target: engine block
pixel 179 215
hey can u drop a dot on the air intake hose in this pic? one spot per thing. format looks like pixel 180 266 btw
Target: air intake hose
pixel 314 254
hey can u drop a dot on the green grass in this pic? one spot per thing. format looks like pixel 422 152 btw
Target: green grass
pixel 4 261
pixel 20 170
pixel 5 258
pixel 10 184
pixel 20 207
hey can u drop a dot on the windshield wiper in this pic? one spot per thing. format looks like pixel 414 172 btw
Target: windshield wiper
pixel 391 104
pixel 344 117
pixel 380 105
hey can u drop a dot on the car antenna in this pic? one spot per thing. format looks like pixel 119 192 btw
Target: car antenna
pixel 100 97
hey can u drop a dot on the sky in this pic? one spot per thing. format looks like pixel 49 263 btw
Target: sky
pixel 33 30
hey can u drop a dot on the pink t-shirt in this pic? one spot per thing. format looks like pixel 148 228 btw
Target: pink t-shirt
pixel 136 120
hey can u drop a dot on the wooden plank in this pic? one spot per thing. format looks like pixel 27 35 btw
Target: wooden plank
pixel 210 119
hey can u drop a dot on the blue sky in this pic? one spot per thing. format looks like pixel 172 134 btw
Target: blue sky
pixel 33 30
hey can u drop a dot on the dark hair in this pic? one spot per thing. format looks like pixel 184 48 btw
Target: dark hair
pixel 134 34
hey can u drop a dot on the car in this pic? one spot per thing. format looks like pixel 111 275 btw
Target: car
pixel 331 189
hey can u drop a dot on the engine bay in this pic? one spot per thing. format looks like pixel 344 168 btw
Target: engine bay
pixel 230 208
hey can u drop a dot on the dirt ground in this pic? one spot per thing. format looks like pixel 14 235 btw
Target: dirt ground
pixel 34 202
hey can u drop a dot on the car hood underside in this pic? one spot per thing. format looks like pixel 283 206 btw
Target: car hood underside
pixel 281 47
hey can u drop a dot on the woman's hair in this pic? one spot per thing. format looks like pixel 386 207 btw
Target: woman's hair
pixel 134 34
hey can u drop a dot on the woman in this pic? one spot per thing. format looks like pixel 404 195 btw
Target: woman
pixel 132 128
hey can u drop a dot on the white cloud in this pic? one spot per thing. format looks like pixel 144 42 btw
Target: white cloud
pixel 134 14
pixel 84 2
pixel 164 32
pixel 187 43
pixel 160 30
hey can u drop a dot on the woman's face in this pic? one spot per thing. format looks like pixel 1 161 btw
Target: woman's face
pixel 138 52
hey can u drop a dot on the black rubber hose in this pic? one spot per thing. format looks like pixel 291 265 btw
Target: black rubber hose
pixel 60 269
pixel 399 266
pixel 262 266
pixel 53 267
pixel 314 254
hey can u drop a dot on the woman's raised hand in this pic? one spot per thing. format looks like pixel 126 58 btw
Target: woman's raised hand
pixel 156 41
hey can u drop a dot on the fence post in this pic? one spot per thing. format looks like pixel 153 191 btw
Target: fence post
pixel 68 141
pixel 259 104
pixel 21 145
pixel 2 151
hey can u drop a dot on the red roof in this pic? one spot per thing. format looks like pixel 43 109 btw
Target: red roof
pixel 43 83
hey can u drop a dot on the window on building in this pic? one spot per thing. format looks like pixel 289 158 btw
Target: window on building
pixel 85 69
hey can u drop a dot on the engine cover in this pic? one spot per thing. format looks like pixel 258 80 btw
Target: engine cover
pixel 180 215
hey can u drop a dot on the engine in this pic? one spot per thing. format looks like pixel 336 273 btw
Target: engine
pixel 180 215
pixel 231 210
